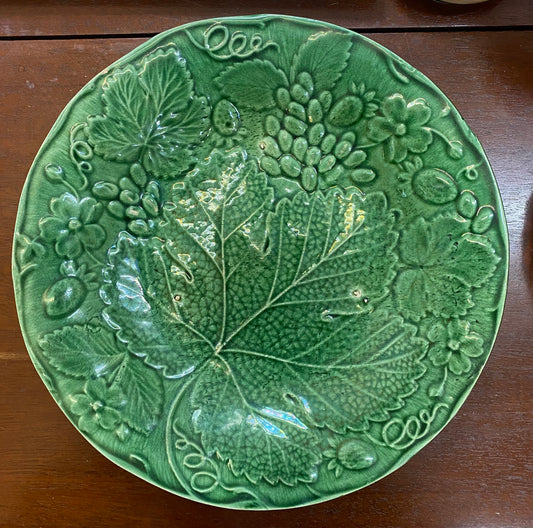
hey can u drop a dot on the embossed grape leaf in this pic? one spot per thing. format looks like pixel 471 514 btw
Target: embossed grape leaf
pixel 270 313
pixel 86 352
pixel 151 115
pixel 444 264
pixel 151 289
pixel 324 56
pixel 251 83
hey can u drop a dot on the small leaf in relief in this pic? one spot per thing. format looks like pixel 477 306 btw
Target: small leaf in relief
pixel 88 352
pixel 26 250
pixel 271 310
pixel 143 393
pixel 82 351
pixel 251 83
pixel 151 115
pixel 444 264
pixel 324 55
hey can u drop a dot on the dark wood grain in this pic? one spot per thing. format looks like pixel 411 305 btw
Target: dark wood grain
pixel 477 472
pixel 119 17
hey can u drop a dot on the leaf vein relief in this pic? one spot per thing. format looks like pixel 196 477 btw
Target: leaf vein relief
pixel 244 317
pixel 259 253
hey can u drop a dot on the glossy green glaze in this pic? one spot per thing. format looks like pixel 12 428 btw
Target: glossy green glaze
pixel 260 262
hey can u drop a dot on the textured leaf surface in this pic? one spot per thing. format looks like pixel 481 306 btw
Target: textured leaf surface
pixel 251 83
pixel 324 55
pixel 151 115
pixel 143 393
pixel 81 351
pixel 445 264
pixel 87 352
pixel 272 309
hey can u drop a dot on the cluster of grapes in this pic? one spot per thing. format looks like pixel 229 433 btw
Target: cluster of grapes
pixel 299 145
pixel 134 199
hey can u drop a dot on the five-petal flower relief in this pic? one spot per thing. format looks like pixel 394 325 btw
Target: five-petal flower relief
pixel 454 345
pixel 97 407
pixel 401 127
pixel 73 225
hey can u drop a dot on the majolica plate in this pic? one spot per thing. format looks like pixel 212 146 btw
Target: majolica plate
pixel 260 262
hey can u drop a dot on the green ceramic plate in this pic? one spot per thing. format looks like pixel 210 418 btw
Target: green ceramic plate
pixel 260 262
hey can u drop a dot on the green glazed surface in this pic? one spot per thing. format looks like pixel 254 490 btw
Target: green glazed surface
pixel 260 262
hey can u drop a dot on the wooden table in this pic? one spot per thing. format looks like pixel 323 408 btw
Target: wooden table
pixel 477 472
